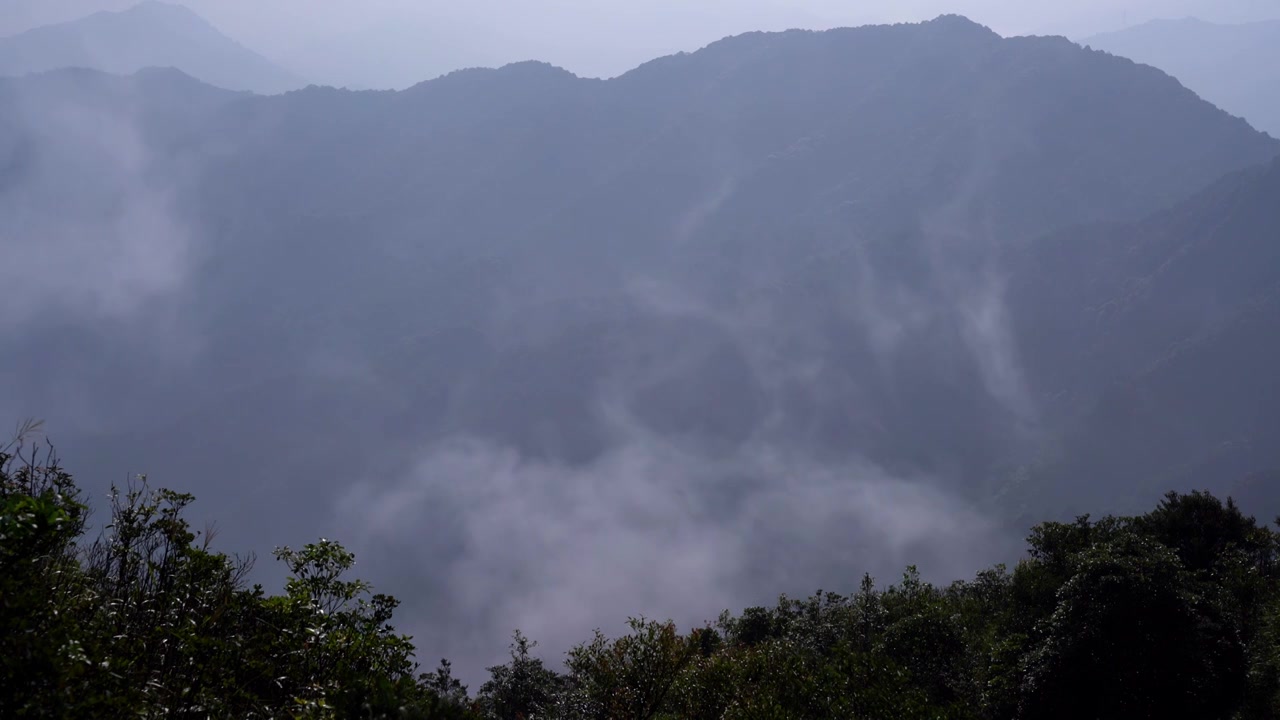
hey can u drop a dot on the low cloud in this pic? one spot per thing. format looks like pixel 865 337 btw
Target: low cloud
pixel 503 541
pixel 97 256
pixel 90 231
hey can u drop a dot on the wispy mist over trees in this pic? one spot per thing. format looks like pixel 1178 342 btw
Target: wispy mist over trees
pixel 1170 613
pixel 546 351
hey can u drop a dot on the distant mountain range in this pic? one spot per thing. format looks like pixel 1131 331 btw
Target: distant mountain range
pixel 1231 66
pixel 150 34
pixel 914 251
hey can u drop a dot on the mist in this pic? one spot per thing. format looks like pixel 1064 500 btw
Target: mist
pixel 125 250
pixel 487 541
pixel 96 243
pixel 548 351
pixel 678 517
pixel 618 503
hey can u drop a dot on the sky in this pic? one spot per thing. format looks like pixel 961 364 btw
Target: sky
pixel 396 43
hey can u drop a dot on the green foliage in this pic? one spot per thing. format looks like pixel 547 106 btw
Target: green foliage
pixel 1170 614
pixel 631 676
pixel 1175 613
pixel 41 654
pixel 523 688
pixel 1169 647
pixel 148 620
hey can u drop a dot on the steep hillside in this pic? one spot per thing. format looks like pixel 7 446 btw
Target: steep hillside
pixel 1231 66
pixel 1158 343
pixel 849 187
pixel 150 34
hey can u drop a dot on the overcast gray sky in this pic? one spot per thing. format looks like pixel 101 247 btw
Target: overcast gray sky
pixel 399 42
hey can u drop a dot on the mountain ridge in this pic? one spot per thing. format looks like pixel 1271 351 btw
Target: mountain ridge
pixel 624 162
pixel 1228 64
pixel 149 34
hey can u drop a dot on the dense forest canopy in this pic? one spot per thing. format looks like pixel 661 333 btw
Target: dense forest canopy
pixel 1173 613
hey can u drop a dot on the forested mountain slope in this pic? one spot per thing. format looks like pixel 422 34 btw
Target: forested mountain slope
pixel 1157 341
pixel 690 303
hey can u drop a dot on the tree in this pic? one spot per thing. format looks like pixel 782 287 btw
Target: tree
pixel 1133 637
pixel 148 620
pixel 41 656
pixel 523 689
pixel 1175 613
pixel 1204 531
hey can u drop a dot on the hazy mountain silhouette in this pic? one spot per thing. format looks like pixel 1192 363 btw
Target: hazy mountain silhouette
pixel 849 189
pixel 150 34
pixel 815 258
pixel 1231 66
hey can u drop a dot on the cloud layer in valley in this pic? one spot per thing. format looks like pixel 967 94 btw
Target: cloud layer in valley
pixel 490 540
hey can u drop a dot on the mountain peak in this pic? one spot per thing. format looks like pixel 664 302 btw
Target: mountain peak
pixel 150 34
pixel 148 13
pixel 960 23
pixel 535 68
pixel 159 6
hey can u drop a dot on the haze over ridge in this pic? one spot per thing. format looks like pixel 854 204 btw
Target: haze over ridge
pixel 506 317
pixel 395 43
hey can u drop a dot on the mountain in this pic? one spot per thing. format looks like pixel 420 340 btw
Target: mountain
pixel 1079 21
pixel 1158 342
pixel 150 34
pixel 1231 66
pixel 758 176
pixel 400 50
pixel 666 314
